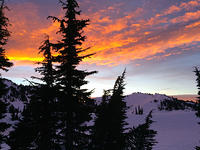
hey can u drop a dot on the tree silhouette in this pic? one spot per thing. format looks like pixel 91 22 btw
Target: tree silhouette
pixel 46 70
pixel 4 34
pixel 75 102
pixel 100 126
pixel 142 137
pixel 39 117
pixel 44 101
pixel 109 127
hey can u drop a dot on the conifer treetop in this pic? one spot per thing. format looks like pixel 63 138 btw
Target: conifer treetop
pixel 4 35
pixel 69 47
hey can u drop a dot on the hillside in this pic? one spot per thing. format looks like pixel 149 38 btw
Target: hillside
pixel 15 98
pixel 177 129
pixel 177 126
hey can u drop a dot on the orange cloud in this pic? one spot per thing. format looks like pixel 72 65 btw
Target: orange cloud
pixel 190 4
pixel 114 38
pixel 195 24
pixel 172 9
pixel 186 17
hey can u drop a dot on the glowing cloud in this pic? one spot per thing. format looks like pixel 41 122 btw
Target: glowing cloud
pixel 115 35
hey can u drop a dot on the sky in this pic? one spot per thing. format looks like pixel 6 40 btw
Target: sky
pixel 157 41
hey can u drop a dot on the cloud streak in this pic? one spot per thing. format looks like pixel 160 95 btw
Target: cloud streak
pixel 115 35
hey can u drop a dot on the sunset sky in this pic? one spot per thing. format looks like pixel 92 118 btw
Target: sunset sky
pixel 157 41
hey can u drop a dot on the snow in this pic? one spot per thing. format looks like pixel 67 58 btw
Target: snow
pixel 177 130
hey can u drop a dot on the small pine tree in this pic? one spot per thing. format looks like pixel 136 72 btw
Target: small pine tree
pixel 142 137
pixel 138 110
pixel 110 123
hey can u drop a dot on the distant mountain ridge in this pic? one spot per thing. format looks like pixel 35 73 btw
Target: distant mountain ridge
pixel 186 97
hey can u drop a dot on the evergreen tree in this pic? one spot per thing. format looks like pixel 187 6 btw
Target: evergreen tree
pixel 44 103
pixel 142 137
pixel 46 70
pixel 117 114
pixel 4 65
pixel 197 73
pixel 45 98
pixel 75 102
pixel 4 34
pixel 110 123
pixel 100 126
pixel 39 117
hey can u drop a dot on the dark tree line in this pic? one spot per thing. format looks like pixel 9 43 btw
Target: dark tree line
pixel 175 104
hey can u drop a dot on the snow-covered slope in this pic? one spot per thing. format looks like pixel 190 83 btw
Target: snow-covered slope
pixel 177 129
pixel 15 98
pixel 16 95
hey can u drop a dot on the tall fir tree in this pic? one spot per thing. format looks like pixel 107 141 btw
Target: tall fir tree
pixel 39 117
pixel 75 102
pixel 4 65
pixel 142 137
pixel 117 112
pixel 109 127
pixel 46 99
pixel 197 73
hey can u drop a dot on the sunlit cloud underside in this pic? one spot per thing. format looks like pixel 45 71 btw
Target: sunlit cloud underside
pixel 115 36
